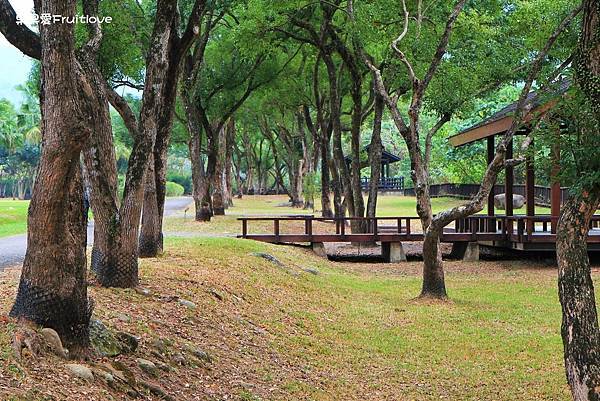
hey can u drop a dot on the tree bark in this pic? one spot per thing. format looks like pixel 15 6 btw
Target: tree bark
pixel 229 149
pixel 375 151
pixel 580 332
pixel 53 290
pixel 151 236
pixel 218 195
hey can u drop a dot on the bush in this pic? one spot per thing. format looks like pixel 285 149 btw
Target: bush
pixel 174 189
pixel 182 179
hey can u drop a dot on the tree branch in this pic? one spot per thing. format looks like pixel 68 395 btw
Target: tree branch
pixel 20 36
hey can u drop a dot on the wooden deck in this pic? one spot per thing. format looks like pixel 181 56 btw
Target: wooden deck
pixel 516 232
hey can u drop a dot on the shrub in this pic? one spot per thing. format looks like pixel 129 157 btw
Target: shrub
pixel 181 179
pixel 174 189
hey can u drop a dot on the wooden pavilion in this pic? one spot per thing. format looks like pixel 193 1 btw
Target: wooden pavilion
pixel 497 125
pixel 386 182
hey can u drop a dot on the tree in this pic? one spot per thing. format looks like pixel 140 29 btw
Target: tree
pixel 52 289
pixel 422 77
pixel 580 165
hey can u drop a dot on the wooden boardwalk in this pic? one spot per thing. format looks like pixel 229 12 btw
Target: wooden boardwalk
pixel 517 232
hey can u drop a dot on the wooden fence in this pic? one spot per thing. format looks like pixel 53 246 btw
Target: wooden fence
pixel 467 191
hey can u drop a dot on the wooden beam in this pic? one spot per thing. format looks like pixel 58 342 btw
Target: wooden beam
pixel 495 127
pixel 530 188
pixel 491 151
pixel 509 181
pixel 555 193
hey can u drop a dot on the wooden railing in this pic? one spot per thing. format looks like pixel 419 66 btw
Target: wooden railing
pixel 403 228
pixel 385 183
pixel 467 191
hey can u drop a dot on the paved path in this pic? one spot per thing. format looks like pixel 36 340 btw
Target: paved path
pixel 12 249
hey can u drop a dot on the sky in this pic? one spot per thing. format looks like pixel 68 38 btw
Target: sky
pixel 14 66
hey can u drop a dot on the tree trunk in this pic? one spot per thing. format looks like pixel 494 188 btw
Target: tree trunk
pixel 218 195
pixel 375 151
pixel 229 148
pixel 151 236
pixel 119 267
pixel 580 332
pixel 150 243
pixel 53 290
pixel 325 176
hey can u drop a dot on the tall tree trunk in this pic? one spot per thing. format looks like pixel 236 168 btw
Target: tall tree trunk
pixel 218 196
pixel 580 332
pixel 325 177
pixel 343 173
pixel 53 290
pixel 375 151
pixel 119 268
pixel 229 148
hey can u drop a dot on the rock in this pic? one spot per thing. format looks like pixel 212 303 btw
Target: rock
pixel 202 355
pixel 147 366
pixel 163 366
pixel 143 291
pixel 53 340
pixel 157 391
pixel 103 340
pixel 123 373
pixel 123 317
pixel 104 375
pixel 187 304
pixel 179 359
pixel 81 371
pixel 159 345
pixel 216 294
pixel 269 257
pixel 500 201
pixel 312 270
pixel 128 342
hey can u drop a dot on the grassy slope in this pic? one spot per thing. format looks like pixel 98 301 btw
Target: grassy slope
pixel 352 332
pixel 13 217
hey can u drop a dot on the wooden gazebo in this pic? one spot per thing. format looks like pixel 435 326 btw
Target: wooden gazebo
pixel 498 124
pixel 386 182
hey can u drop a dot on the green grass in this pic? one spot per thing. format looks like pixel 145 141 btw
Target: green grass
pixel 359 333
pixel 13 217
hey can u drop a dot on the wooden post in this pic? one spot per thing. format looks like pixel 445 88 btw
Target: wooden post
pixel 508 186
pixel 276 228
pixel 244 228
pixel 530 190
pixel 491 151
pixel 555 196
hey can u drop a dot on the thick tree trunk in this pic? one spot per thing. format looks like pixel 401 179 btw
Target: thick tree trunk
pixel 580 332
pixel 53 290
pixel 119 268
pixel 375 151
pixel 150 243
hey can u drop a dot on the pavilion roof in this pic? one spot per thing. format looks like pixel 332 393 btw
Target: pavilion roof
pixel 502 120
pixel 386 157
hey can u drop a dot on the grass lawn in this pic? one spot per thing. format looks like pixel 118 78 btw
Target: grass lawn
pixel 13 217
pixel 350 332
